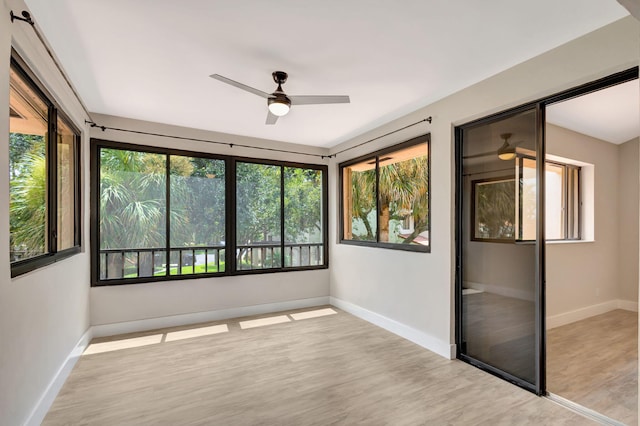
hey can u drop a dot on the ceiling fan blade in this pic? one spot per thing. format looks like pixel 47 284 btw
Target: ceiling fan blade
pixel 484 154
pixel 312 100
pixel 241 86
pixel 271 118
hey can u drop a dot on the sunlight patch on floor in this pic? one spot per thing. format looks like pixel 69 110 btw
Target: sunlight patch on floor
pixel 172 336
pixel 313 314
pixel 196 332
pixel 264 321
pixel 115 345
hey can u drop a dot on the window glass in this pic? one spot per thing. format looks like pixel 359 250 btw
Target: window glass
pixel 360 214
pixel 404 196
pixel 258 216
pixel 527 213
pixel 132 214
pixel 67 192
pixel 28 156
pixel 303 217
pixel 554 201
pixel 494 209
pixel 197 195
pixel 562 205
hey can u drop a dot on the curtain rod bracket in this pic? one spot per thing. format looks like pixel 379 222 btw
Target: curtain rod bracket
pixel 93 124
pixel 26 17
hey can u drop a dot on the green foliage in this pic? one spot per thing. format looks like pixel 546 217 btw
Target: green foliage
pixel 258 195
pixel 303 205
pixel 132 199
pixel 21 144
pixel 28 195
pixel 197 201
pixel 404 190
pixel 28 203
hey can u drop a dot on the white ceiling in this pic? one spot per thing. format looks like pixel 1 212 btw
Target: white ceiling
pixel 612 114
pixel 151 59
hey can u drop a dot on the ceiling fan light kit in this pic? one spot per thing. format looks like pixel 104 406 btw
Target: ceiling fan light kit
pixel 278 102
pixel 279 106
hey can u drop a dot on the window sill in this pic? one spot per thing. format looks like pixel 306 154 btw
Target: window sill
pixel 393 246
pixel 29 265
pixel 552 242
pixel 560 242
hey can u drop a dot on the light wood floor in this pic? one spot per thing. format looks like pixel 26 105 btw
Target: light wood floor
pixel 330 370
pixel 594 362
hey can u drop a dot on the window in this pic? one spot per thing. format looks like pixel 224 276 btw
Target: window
pixel 43 174
pixel 279 216
pixel 385 197
pixel 165 214
pixel 562 200
pixel 504 212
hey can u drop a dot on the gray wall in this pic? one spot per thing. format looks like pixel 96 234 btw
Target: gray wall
pixel 583 274
pixel 43 314
pixel 628 238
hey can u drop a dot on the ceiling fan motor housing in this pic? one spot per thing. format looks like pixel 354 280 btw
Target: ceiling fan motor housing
pixel 280 77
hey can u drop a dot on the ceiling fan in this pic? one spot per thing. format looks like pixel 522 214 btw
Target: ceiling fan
pixel 506 152
pixel 279 102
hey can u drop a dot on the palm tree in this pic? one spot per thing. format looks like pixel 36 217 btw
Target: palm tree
pixel 132 204
pixel 28 204
pixel 403 187
pixel 403 190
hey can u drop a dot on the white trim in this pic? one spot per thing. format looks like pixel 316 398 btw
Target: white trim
pixel 589 311
pixel 418 337
pixel 628 305
pixel 102 330
pixel 501 290
pixel 46 400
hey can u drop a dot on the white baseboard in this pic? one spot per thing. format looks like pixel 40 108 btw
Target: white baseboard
pixel 501 290
pixel 418 337
pixel 46 400
pixel 628 305
pixel 198 317
pixel 589 311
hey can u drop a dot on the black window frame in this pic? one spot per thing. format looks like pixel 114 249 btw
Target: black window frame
pixel 54 113
pixel 230 212
pixel 375 156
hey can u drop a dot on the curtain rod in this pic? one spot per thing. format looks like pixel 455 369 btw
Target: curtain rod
pixel 428 119
pixel 229 144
